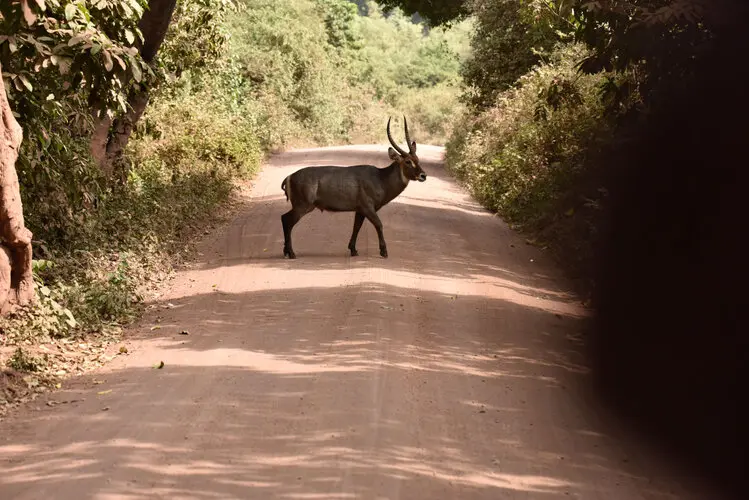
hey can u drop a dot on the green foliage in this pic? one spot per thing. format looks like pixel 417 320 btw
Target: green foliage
pixel 661 42
pixel 56 48
pixel 182 136
pixel 511 37
pixel 341 24
pixel 197 36
pixel 24 362
pixel 74 299
pixel 335 77
pixel 523 156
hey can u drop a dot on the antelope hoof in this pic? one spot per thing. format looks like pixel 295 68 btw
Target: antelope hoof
pixel 384 252
pixel 289 253
pixel 354 253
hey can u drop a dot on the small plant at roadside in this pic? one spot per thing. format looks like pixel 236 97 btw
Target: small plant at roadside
pixel 23 362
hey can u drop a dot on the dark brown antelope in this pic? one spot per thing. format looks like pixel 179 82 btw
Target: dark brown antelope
pixel 363 189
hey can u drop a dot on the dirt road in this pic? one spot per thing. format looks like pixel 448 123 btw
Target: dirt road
pixel 450 370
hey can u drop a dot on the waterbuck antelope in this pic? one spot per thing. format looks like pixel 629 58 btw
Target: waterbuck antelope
pixel 363 189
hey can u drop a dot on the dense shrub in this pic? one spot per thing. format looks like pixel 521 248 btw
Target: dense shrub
pixel 530 156
pixel 510 38
pixel 520 156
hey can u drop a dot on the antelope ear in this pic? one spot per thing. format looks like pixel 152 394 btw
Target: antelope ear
pixel 393 154
pixel 413 146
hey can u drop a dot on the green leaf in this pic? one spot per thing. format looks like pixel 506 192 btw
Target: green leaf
pixel 130 37
pixel 64 64
pixel 41 5
pixel 44 291
pixel 123 104
pixel 119 60
pixel 137 8
pixel 70 319
pixel 41 264
pixel 76 39
pixel 108 64
pixel 85 12
pixel 70 10
pixel 135 67
pixel 26 82
pixel 95 49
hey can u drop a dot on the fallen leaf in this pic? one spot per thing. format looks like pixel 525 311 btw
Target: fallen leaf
pixel 123 350
pixel 160 365
pixel 157 327
pixel 104 392
pixel 184 332
pixel 106 408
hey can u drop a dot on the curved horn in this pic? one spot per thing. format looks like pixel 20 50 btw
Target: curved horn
pixel 392 142
pixel 408 137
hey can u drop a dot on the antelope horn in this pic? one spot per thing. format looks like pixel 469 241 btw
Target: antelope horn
pixel 392 142
pixel 408 137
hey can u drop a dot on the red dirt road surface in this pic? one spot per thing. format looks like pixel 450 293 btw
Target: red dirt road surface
pixel 450 370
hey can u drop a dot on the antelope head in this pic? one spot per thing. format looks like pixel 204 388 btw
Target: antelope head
pixel 408 161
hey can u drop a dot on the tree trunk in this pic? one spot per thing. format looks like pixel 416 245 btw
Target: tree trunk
pixel 111 138
pixel 99 141
pixel 120 133
pixel 16 280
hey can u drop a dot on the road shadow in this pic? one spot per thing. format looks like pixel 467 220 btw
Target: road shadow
pixel 289 318
pixel 300 432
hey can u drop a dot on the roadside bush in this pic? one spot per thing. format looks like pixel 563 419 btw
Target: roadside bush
pixel 526 157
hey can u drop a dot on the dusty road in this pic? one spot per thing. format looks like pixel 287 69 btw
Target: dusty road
pixel 450 370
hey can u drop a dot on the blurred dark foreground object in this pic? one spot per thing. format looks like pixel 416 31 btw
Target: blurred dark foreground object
pixel 669 346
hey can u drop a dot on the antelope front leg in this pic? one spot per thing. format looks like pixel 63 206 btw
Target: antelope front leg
pixel 358 221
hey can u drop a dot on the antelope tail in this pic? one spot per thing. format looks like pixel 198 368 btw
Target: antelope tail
pixel 283 186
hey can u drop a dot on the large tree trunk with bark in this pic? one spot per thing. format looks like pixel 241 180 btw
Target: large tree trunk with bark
pixel 111 137
pixel 16 280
